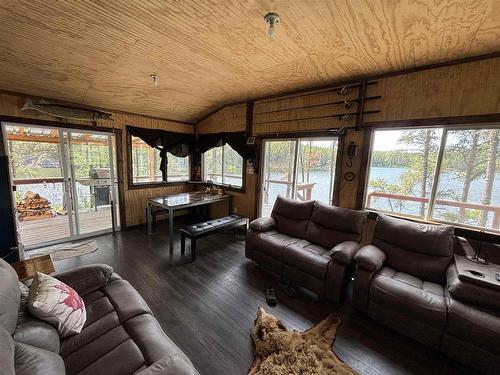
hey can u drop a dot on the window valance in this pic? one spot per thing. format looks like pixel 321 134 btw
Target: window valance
pixel 237 140
pixel 178 144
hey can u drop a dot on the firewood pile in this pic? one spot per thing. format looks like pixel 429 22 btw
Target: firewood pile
pixel 34 207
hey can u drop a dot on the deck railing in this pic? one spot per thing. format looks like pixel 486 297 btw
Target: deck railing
pixel 443 202
pixel 303 189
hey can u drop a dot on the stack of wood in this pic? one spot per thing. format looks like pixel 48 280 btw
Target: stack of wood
pixel 34 207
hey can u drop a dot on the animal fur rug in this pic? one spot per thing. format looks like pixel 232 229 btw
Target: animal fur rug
pixel 279 351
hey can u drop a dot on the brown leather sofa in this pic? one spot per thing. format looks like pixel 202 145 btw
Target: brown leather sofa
pixel 308 243
pixel 120 336
pixel 407 280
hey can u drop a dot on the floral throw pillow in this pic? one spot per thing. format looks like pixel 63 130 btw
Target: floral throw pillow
pixel 56 303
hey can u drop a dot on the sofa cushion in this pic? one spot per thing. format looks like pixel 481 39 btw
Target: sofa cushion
pixel 407 294
pixel 85 279
pixel 7 351
pixel 56 303
pixel 9 297
pixel 309 258
pixel 479 327
pixel 331 225
pixel 36 332
pixel 30 360
pixel 292 216
pixel 120 334
pixel 423 250
pixel 272 243
pixel 107 308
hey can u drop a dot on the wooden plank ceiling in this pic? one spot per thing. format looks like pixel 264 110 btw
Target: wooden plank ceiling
pixel 210 53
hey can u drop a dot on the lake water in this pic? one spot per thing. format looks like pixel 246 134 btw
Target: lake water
pixel 448 183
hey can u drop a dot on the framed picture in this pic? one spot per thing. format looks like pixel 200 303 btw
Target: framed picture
pixel 250 140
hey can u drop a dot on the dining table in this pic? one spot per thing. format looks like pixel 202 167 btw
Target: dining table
pixel 175 202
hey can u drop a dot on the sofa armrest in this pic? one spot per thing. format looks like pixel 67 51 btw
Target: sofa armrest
pixel 171 365
pixel 344 252
pixel 262 224
pixel 86 279
pixel 370 258
pixel 463 247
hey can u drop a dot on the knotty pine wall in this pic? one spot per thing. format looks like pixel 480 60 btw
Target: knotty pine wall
pixel 232 118
pixel 465 89
pixel 135 199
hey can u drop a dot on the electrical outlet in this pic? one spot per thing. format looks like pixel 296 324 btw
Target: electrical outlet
pixel 235 210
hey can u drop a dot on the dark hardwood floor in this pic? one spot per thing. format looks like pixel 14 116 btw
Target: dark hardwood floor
pixel 208 307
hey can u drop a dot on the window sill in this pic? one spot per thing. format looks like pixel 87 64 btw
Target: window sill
pixel 225 187
pixel 487 234
pixel 149 185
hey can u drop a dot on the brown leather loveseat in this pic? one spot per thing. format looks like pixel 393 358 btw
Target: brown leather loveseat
pixel 308 243
pixel 120 336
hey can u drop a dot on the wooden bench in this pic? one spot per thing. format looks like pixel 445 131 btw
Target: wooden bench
pixel 206 228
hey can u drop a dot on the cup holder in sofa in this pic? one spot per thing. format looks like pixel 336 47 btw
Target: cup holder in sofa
pixel 475 273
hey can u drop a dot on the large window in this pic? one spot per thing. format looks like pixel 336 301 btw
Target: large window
pixel 222 165
pixel 438 174
pixel 146 164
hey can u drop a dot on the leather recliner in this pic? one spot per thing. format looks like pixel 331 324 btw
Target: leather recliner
pixel 407 279
pixel 309 243
pixel 401 276
pixel 120 336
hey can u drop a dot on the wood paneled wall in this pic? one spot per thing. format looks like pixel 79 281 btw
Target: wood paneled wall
pixel 227 119
pixel 232 118
pixel 135 199
pixel 294 113
pixel 471 88
pixel 456 90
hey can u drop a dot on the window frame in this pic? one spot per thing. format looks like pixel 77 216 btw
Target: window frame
pixel 221 185
pixel 447 127
pixel 144 185
pixel 337 176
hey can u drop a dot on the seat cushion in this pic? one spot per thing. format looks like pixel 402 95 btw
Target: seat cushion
pixel 210 225
pixel 36 332
pixel 30 360
pixel 120 334
pixel 107 308
pixel 272 243
pixel 479 327
pixel 309 258
pixel 422 300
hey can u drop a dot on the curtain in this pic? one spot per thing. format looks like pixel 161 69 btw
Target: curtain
pixel 236 140
pixel 178 144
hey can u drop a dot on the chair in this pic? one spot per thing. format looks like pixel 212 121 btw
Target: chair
pixel 400 278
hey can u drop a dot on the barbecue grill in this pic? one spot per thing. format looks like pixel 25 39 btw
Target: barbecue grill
pixel 99 182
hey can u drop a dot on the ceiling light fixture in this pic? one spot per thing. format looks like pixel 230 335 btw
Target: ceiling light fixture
pixel 272 19
pixel 156 78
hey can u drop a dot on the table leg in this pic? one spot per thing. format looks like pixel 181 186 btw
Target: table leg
pixel 148 218
pixel 171 228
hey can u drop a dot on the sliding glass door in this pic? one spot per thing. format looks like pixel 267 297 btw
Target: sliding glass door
pixel 300 169
pixel 64 182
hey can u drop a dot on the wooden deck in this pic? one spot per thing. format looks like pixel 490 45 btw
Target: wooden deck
pixel 57 228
